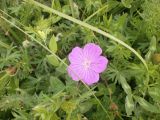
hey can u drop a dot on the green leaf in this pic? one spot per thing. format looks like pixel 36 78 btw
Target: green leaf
pixel 85 96
pixel 154 93
pixel 125 85
pixel 69 106
pixel 53 44
pixel 127 3
pixel 52 60
pixel 146 105
pixel 102 89
pixel 85 106
pixel 56 85
pixel 152 48
pixel 21 115
pixel 66 9
pixel 129 105
pixel 4 80
pixel 61 68
pixel 41 34
pixel 44 114
pixel 56 4
pixel 54 117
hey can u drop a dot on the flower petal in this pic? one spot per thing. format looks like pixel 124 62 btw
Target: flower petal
pixel 91 77
pixel 91 51
pixel 76 55
pixel 76 72
pixel 100 64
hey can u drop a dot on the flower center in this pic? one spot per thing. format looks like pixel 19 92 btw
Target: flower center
pixel 86 64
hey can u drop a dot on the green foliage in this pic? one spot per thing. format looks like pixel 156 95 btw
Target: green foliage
pixel 127 3
pixel 53 44
pixel 147 106
pixel 52 60
pixel 34 84
pixel 151 17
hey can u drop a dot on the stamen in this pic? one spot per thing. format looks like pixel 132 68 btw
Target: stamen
pixel 86 64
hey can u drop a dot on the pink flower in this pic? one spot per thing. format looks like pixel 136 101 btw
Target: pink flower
pixel 87 63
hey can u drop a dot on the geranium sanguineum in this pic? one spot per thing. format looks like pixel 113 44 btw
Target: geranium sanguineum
pixel 87 63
